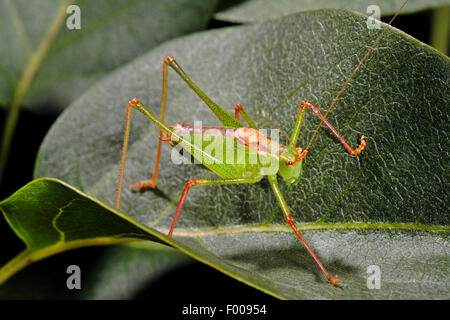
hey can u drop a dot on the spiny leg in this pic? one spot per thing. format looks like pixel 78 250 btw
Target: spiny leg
pixel 205 182
pixel 290 221
pixel 240 110
pixel 315 110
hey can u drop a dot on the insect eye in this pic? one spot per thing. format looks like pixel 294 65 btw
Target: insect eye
pixel 289 162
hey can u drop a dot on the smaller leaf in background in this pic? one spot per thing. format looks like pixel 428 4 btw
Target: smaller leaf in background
pixel 251 11
pixel 112 33
pixel 124 270
pixel 440 29
pixel 47 279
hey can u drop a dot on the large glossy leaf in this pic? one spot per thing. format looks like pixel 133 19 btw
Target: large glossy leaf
pixel 112 33
pixel 388 207
pixel 250 11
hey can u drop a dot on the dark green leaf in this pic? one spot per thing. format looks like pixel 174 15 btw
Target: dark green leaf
pixel 388 207
pixel 45 214
pixel 250 11
pixel 51 217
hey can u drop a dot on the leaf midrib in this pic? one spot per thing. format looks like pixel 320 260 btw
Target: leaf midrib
pixel 312 226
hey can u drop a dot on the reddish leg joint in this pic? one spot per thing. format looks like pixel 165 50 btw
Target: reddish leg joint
pixel 169 59
pixel 189 184
pixel 165 139
pixel 316 111
pixel 133 102
pixel 237 109
pixel 301 154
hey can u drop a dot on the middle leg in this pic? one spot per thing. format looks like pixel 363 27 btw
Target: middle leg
pixel 205 182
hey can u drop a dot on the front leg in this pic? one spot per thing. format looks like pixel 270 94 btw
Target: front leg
pixel 316 111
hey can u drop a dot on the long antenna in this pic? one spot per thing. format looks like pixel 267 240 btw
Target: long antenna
pixel 354 71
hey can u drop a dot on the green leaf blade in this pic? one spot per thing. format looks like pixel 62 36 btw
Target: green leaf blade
pixel 45 210
pixel 45 215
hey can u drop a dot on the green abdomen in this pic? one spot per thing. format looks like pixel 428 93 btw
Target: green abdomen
pixel 218 150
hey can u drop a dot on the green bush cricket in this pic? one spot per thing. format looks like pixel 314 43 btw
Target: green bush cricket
pixel 248 139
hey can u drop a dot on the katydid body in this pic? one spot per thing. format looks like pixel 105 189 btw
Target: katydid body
pixel 248 139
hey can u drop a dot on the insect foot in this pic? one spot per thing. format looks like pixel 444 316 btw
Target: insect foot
pixel 142 185
pixel 333 281
pixel 361 147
